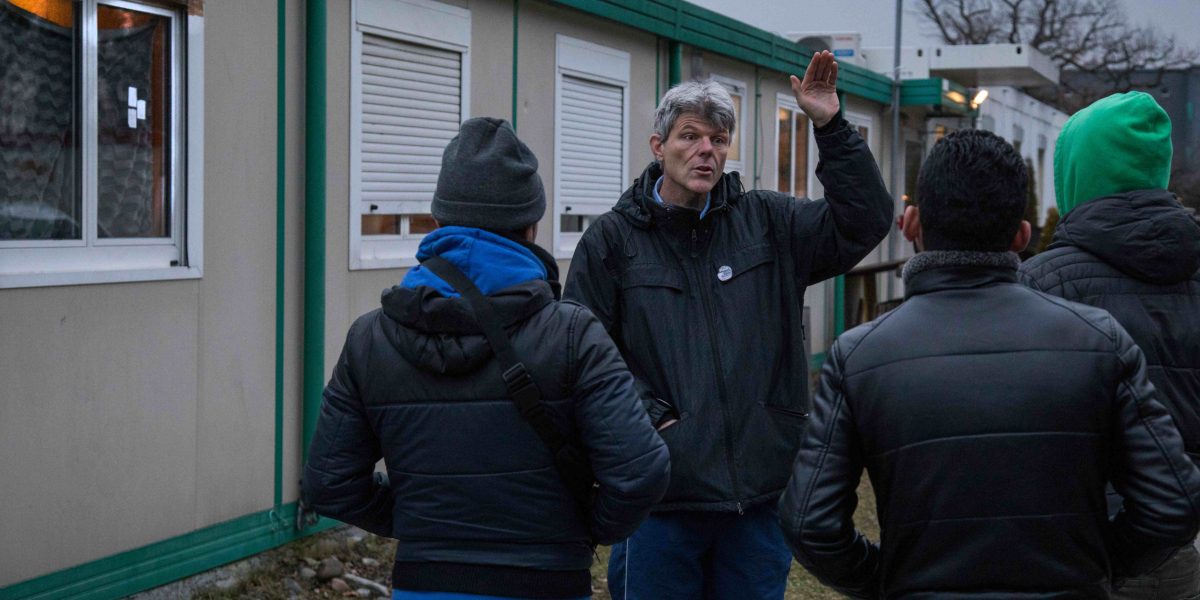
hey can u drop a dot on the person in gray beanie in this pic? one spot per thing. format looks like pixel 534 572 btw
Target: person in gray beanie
pixel 489 179
pixel 453 381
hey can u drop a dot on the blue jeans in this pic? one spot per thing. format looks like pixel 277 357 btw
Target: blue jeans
pixel 702 555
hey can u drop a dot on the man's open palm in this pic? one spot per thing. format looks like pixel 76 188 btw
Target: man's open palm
pixel 817 93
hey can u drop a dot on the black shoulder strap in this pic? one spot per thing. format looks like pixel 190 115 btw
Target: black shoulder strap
pixel 521 387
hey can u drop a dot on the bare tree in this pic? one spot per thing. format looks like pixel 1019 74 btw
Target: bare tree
pixel 1091 39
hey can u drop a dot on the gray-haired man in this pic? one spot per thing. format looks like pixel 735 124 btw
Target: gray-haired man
pixel 701 284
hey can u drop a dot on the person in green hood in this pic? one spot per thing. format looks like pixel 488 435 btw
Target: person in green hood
pixel 1126 245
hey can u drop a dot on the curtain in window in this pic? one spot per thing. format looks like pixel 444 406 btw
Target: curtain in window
pixel 38 133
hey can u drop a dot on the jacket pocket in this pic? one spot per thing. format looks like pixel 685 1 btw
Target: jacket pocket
pixel 743 261
pixel 786 411
pixel 651 276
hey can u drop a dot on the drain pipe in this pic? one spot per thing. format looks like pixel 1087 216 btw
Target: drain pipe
pixel 314 228
pixel 280 254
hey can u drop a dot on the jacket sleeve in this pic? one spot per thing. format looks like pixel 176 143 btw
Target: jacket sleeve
pixel 628 458
pixel 832 235
pixel 593 283
pixel 1159 485
pixel 339 479
pixel 817 507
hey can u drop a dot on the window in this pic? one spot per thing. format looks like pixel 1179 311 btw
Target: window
pixel 591 136
pixel 794 143
pixel 409 93
pixel 734 161
pixel 862 123
pixel 96 184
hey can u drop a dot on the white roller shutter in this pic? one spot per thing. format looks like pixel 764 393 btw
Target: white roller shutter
pixel 591 156
pixel 411 108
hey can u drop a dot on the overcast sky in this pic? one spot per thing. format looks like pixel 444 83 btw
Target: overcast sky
pixel 875 18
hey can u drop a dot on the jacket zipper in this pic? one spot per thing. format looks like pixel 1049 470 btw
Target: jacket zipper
pixel 721 389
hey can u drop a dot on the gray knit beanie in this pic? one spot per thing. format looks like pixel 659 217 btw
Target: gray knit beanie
pixel 489 179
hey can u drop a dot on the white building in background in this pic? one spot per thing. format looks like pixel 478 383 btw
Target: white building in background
pixel 1002 71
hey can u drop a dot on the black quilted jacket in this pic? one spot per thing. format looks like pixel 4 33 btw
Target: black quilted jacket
pixel 470 481
pixel 989 417
pixel 1137 255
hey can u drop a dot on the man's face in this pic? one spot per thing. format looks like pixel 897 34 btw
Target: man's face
pixel 693 155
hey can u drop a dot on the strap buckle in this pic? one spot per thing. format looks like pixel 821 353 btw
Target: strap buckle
pixel 522 389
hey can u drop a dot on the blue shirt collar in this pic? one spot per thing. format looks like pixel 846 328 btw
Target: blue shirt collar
pixel 659 200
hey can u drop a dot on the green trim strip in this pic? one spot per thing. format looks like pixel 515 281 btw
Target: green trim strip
pixel 675 68
pixel 657 71
pixel 280 232
pixel 163 562
pixel 314 217
pixel 516 15
pixel 934 91
pixel 681 21
pixel 815 361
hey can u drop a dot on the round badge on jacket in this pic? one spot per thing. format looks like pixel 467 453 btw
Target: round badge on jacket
pixel 725 273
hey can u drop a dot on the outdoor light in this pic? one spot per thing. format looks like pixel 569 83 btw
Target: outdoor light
pixel 980 96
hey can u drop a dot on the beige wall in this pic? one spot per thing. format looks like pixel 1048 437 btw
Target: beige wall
pixel 135 412
pixel 540 23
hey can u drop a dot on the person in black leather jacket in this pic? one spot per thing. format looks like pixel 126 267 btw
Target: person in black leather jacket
pixel 1126 245
pixel 989 417
pixel 472 493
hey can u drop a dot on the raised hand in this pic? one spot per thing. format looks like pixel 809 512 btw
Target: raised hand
pixel 817 93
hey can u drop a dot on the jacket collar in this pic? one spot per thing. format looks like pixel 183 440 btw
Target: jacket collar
pixel 638 206
pixel 936 271
pixel 519 278
pixel 1145 234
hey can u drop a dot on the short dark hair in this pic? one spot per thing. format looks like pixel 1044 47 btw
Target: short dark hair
pixel 971 193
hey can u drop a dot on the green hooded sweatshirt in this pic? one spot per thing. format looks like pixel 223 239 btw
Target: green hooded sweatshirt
pixel 1118 144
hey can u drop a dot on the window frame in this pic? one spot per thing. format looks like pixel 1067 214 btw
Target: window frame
pixel 419 22
pixel 592 62
pixel 739 89
pixel 858 119
pixel 91 259
pixel 787 101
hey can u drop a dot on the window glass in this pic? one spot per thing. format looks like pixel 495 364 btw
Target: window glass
pixel 784 119
pixel 40 70
pixel 133 146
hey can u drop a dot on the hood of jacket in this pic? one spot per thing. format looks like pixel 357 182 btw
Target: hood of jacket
pixel 435 328
pixel 638 205
pixel 1145 234
pixel 1118 144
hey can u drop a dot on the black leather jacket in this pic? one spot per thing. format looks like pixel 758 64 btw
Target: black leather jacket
pixel 989 417
pixel 709 313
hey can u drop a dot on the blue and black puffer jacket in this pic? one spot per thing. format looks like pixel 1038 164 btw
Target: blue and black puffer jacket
pixel 473 496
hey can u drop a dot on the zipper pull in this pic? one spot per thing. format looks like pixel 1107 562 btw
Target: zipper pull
pixel 739 507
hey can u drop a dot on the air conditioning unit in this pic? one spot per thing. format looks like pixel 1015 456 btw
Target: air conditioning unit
pixel 846 46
